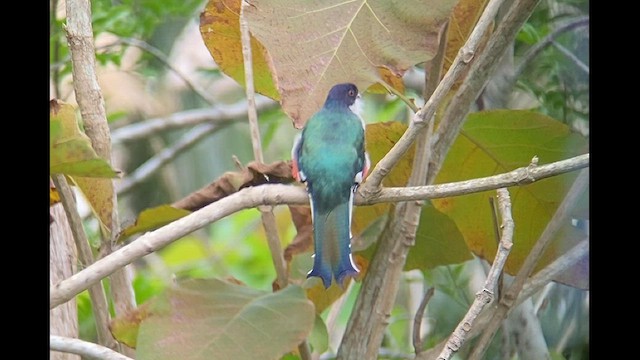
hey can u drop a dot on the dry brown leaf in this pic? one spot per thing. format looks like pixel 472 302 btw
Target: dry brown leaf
pixel 254 174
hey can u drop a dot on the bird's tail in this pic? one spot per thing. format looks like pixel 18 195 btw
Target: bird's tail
pixel 332 243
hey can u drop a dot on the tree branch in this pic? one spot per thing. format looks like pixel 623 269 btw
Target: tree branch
pixel 266 213
pixel 369 318
pixel 508 300
pixel 477 77
pixel 99 305
pixel 485 296
pixel 582 66
pixel 83 348
pixel 276 194
pixel 417 320
pixel 146 170
pixel 188 118
pixel 419 120
pixel 554 269
pixel 536 49
pixel 535 284
pixel 155 52
pixel 518 177
pixel 91 104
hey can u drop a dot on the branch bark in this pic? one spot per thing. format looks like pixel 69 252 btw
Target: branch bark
pixel 479 72
pixel 91 104
pixel 63 320
pixel 507 302
pixel 465 56
pixel 535 284
pixel 83 348
pixel 486 295
pixel 266 213
pixel 189 118
pixel 99 305
pixel 278 194
pixel 155 163
pixel 369 318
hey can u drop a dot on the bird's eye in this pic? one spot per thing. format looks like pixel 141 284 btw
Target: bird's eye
pixel 351 92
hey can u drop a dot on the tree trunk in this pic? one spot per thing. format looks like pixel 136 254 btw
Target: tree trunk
pixel 63 320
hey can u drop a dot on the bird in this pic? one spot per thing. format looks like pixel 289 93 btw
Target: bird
pixel 329 157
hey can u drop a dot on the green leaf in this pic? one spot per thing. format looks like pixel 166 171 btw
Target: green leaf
pixel 153 218
pixel 499 141
pixel 438 242
pixel 212 319
pixel 380 138
pixel 70 150
pixel 125 328
pixel 319 337
pixel 315 45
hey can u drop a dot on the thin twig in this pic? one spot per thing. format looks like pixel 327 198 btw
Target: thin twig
pixel 508 300
pixel 465 56
pixel 546 41
pixel 417 320
pixel 582 66
pixel 146 170
pixel 188 118
pixel 266 213
pixel 277 194
pixel 83 348
pixel 518 177
pixel 485 296
pixel 535 284
pixel 99 305
pixel 155 52
pixel 556 268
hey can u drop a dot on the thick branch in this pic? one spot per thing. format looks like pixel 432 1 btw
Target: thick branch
pixel 85 82
pixel 486 295
pixel 83 348
pixel 277 194
pixel 91 104
pixel 188 118
pixel 369 318
pixel 508 300
pixel 479 73
pixel 465 56
pixel 99 305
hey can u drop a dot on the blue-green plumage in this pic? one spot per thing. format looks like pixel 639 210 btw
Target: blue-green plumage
pixel 330 158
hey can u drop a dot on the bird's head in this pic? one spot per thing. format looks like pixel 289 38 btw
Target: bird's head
pixel 344 95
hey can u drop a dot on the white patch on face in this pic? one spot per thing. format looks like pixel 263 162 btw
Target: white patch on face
pixel 358 108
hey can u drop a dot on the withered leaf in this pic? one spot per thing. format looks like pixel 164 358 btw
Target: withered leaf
pixel 254 174
pixel 301 217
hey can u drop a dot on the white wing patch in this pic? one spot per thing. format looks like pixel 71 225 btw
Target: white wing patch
pixel 297 141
